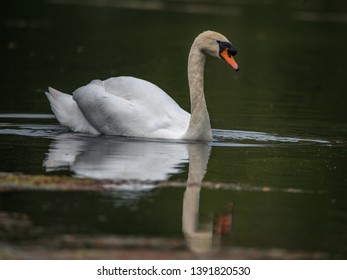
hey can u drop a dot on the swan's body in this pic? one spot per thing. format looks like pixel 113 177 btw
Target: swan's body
pixel 129 106
pixel 121 106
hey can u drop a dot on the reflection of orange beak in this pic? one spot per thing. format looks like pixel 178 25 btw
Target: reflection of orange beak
pixel 229 59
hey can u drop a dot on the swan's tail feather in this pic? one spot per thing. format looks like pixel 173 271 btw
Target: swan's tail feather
pixel 67 112
pixel 61 104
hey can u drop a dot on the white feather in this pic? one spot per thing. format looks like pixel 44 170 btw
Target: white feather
pixel 131 107
pixel 68 113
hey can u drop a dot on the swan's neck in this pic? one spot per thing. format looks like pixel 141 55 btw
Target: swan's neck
pixel 199 124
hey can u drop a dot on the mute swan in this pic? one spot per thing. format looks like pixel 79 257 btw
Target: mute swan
pixel 128 106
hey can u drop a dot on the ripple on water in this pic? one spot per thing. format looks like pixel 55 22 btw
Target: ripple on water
pixel 221 137
pixel 258 139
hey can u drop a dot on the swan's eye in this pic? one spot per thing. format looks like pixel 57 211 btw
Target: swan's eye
pixel 226 45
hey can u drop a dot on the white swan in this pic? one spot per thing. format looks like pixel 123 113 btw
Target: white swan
pixel 129 106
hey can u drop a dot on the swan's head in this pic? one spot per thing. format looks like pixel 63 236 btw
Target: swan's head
pixel 217 45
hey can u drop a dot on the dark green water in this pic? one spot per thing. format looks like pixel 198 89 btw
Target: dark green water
pixel 280 123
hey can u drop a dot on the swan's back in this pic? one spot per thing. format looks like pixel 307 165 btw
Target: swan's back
pixel 131 107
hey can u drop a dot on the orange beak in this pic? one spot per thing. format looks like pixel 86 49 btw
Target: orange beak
pixel 229 59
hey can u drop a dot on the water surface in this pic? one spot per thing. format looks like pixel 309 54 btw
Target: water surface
pixel 272 184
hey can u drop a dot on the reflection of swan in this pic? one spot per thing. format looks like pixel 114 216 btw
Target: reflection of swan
pixel 133 107
pixel 136 165
pixel 115 158
pixel 200 238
